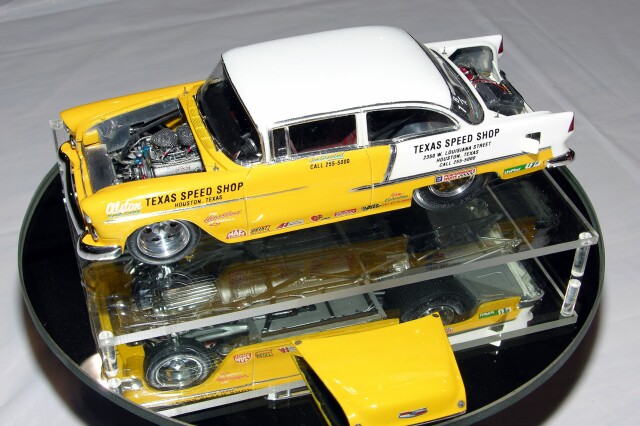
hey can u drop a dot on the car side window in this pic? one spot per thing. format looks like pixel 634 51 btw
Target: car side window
pixel 405 123
pixel 315 136
pixel 279 143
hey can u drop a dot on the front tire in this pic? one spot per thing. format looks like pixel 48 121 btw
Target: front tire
pixel 177 364
pixel 453 193
pixel 163 242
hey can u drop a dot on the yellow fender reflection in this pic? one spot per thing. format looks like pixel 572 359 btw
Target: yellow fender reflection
pixel 397 375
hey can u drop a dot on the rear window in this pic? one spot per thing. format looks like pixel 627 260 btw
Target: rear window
pixel 406 123
pixel 463 102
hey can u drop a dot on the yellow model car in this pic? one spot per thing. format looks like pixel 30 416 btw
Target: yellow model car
pixel 293 133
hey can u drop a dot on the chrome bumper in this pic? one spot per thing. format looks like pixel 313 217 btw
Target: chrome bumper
pixel 96 253
pixel 79 230
pixel 562 160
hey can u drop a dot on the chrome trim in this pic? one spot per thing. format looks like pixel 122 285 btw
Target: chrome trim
pixel 287 141
pixel 85 251
pixel 319 152
pixel 562 160
pixel 275 193
pixel 97 253
pixel 392 161
pixel 71 206
pixel 356 110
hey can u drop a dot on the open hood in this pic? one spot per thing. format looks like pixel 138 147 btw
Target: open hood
pixel 397 375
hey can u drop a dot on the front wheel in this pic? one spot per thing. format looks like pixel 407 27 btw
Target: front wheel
pixel 177 364
pixel 453 193
pixel 163 242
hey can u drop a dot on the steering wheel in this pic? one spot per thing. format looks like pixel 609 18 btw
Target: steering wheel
pixel 248 148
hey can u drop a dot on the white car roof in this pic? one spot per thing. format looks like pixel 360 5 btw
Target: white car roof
pixel 332 71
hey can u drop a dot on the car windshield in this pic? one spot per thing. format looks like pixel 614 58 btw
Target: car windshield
pixel 463 102
pixel 228 121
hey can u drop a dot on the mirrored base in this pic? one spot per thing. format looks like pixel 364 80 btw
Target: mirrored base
pixel 491 365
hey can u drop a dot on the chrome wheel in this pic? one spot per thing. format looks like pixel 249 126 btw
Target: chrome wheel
pixel 453 193
pixel 452 187
pixel 447 313
pixel 163 242
pixel 177 364
pixel 179 371
pixel 163 239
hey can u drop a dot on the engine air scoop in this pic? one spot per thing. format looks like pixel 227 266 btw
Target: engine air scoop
pixel 397 375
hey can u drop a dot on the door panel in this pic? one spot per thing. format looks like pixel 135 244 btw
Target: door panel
pixel 307 189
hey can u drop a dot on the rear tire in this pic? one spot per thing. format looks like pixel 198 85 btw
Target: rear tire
pixel 449 194
pixel 445 296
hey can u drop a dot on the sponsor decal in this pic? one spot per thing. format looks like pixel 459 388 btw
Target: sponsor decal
pixel 521 167
pixel 319 217
pixel 395 197
pixel 412 414
pixel 448 330
pixel 226 377
pixel 329 163
pixel 290 224
pixel 456 175
pixel 242 358
pixel 236 233
pixel 345 212
pixel 260 229
pixel 327 157
pixel 216 218
pixel 459 149
pixel 117 209
pixel 370 207
pixel 287 349
pixel 494 313
pixel 264 354
pixel 196 196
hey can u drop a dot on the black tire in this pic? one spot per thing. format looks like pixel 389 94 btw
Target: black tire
pixel 177 364
pixel 449 194
pixel 445 296
pixel 163 242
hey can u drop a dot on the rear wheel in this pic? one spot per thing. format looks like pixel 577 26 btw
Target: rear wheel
pixel 450 308
pixel 163 242
pixel 444 296
pixel 177 364
pixel 444 195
